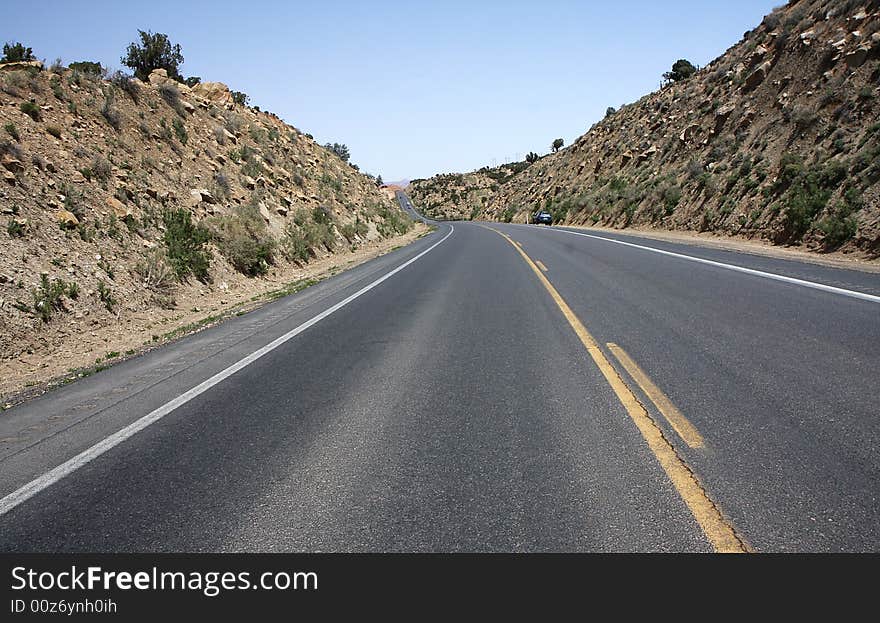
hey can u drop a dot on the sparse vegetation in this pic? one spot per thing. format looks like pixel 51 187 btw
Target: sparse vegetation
pixel 12 131
pixel 682 69
pixel 48 297
pixel 557 145
pixel 185 245
pixel 17 53
pixel 105 295
pixel 31 110
pixel 154 51
pixel 244 240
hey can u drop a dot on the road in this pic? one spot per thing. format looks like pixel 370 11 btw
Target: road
pixel 490 387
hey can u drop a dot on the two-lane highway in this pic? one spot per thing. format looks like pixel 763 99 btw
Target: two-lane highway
pixel 532 391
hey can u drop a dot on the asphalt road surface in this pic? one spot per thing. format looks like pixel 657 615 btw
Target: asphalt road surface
pixel 488 388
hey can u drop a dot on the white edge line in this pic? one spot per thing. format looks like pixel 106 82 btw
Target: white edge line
pixel 51 477
pixel 749 271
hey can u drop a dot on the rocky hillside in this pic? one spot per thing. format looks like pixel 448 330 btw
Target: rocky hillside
pixel 118 197
pixel 778 138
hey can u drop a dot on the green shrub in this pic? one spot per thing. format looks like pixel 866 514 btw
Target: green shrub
pixel 682 69
pixel 110 112
pixel 124 83
pixel 240 98
pixel 16 53
pixel 15 228
pixel 244 240
pixel 671 197
pixel 54 131
pixel 154 51
pixel 180 131
pixel 48 297
pixel 100 168
pixel 837 227
pixel 106 296
pixel 31 110
pixel 294 245
pixel 87 67
pixel 12 131
pixel 185 245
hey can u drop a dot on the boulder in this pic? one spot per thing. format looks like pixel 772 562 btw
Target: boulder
pixel 647 153
pixel 11 164
pixel 282 210
pixel 249 182
pixel 202 195
pixel 757 77
pixel 119 209
pixel 215 92
pixel 77 178
pixel 722 115
pixel 687 135
pixel 857 57
pixel 21 65
pixel 188 107
pixel 9 177
pixel 66 219
pixel 625 158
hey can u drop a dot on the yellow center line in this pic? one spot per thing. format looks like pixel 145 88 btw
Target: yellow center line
pixel 676 418
pixel 713 524
pixel 541 265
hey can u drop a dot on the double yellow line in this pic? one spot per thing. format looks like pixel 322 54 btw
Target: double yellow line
pixel 713 524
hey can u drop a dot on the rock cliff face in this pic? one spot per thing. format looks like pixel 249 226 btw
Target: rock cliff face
pixel 112 189
pixel 778 138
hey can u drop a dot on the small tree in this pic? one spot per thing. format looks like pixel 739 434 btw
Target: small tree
pixel 379 181
pixel 192 81
pixel 532 157
pixel 681 70
pixel 340 150
pixel 154 52
pixel 557 145
pixel 240 98
pixel 16 53
pixel 610 111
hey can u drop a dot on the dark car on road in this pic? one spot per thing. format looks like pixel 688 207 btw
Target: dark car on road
pixel 542 217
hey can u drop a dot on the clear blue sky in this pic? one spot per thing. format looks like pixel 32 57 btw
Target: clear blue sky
pixel 413 88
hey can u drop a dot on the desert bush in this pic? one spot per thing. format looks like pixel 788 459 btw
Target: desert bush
pixel 294 245
pixel 16 53
pixel 219 135
pixel 682 69
pixel 240 98
pixel 53 130
pixel 171 95
pixel 185 245
pixel 110 113
pixel 244 239
pixel 48 297
pixel 124 83
pixel 154 51
pixel 106 296
pixel 220 186
pixel 88 67
pixel 12 131
pixel 155 271
pixel 671 197
pixel 180 131
pixel 233 121
pixel 15 228
pixel 100 167
pixel 31 110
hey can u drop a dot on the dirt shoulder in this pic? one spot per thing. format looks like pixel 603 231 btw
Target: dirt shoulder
pixel 740 245
pixel 81 349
